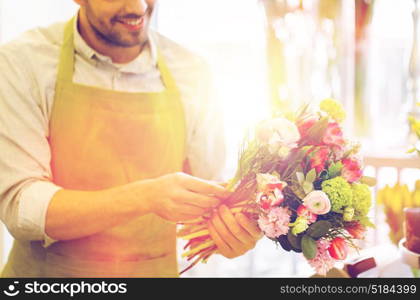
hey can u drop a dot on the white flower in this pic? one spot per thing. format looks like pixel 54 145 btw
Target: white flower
pixel 278 133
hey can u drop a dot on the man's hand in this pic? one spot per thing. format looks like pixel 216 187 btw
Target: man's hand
pixel 180 197
pixel 233 234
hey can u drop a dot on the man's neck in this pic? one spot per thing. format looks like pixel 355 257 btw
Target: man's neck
pixel 120 55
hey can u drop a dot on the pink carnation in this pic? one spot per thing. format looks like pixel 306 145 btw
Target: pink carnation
pixel 322 262
pixel 276 222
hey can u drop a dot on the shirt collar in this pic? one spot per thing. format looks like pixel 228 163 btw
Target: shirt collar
pixel 143 63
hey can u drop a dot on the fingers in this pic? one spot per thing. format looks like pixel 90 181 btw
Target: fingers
pixel 198 199
pixel 250 226
pixel 202 186
pixel 189 210
pixel 236 245
pixel 222 247
pixel 234 226
pixel 233 234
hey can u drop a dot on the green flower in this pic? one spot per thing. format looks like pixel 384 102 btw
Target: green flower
pixel 299 225
pixel 334 109
pixel 339 192
pixel 362 199
pixel 348 214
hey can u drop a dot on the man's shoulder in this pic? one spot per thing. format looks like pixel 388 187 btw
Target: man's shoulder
pixel 40 41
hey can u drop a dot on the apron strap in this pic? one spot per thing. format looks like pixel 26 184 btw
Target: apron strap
pixel 165 74
pixel 66 62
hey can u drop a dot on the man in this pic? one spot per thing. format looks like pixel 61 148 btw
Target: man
pixel 99 116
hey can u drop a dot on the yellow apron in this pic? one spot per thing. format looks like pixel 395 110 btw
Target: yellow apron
pixel 100 139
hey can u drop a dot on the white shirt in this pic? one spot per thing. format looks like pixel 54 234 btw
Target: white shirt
pixel 27 80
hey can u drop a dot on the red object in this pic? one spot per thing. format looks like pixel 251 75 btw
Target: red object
pixel 352 170
pixel 362 265
pixel 273 186
pixel 303 211
pixel 305 124
pixel 356 230
pixel 338 248
pixel 319 157
pixel 412 228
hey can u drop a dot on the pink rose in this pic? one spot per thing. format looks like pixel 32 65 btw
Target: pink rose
pixel 352 170
pixel 319 157
pixel 303 211
pixel 333 135
pixel 317 202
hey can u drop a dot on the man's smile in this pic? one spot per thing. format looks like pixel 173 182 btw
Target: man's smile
pixel 132 24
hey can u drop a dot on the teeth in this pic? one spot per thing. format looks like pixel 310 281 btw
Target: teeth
pixel 133 23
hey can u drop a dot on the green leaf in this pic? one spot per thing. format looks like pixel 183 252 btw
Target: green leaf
pixel 308 187
pixel 319 229
pixel 300 177
pixel 335 169
pixel 412 150
pixel 308 245
pixel 311 175
pixel 304 110
pixel 298 191
pixel 294 240
pixel 370 181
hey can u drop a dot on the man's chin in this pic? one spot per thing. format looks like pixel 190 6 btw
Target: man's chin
pixel 129 41
pixel 130 44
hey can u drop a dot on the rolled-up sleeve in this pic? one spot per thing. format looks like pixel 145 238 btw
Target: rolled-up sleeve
pixel 206 147
pixel 26 186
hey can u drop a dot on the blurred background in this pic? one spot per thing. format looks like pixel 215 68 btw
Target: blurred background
pixel 277 54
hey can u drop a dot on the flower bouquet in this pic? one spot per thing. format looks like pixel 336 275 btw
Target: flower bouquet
pixel 301 180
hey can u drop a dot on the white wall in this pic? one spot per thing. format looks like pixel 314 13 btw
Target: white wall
pixel 17 16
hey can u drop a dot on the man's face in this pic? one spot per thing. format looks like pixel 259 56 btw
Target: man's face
pixel 122 23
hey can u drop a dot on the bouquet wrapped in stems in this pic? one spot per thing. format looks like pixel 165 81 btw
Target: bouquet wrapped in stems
pixel 301 180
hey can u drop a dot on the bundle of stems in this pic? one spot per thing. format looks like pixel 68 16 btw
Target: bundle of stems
pixel 200 245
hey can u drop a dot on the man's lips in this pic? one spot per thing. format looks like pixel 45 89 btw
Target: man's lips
pixel 132 24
